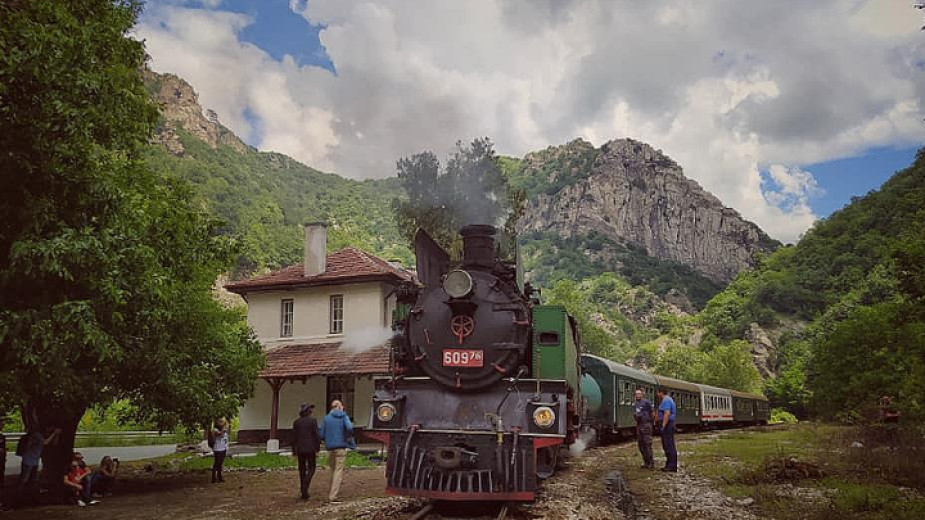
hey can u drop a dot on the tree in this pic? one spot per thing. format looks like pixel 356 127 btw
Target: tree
pixel 106 267
pixel 470 189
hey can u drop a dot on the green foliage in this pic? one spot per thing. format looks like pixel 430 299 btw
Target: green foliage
pixel 263 198
pixel 548 171
pixel 549 258
pixel 470 189
pixel 857 278
pixel 780 416
pixel 106 268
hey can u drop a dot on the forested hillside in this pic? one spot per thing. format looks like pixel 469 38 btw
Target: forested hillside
pixel 849 296
pixel 263 198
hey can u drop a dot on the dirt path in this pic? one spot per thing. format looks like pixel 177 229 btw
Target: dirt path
pixel 244 495
pixel 578 492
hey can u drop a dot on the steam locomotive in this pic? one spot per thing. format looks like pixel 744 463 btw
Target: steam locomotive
pixel 484 388
pixel 489 386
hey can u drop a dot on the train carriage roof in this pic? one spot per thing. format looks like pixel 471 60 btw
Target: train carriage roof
pixel 677 384
pixel 746 395
pixel 620 370
pixel 707 389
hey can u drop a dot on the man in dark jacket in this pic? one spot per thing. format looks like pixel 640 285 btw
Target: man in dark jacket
pixel 306 445
pixel 335 430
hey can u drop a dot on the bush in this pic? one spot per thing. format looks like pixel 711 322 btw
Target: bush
pixel 781 416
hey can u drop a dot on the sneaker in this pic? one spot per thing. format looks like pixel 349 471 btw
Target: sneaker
pixel 96 495
pixel 81 503
pixel 94 502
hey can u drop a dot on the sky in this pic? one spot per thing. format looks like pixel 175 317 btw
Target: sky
pixel 783 109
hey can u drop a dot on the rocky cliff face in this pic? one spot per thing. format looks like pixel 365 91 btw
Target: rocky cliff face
pixel 180 109
pixel 632 193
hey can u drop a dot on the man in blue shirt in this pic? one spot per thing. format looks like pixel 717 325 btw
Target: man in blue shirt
pixel 336 431
pixel 666 420
pixel 645 417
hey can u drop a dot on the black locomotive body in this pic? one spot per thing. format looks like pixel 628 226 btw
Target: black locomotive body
pixel 478 404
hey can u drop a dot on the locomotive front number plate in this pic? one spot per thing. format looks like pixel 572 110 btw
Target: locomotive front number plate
pixel 458 357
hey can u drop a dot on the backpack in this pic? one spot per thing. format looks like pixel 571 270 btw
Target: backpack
pixel 21 446
pixel 211 439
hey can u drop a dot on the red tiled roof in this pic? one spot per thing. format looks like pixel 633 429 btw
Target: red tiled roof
pixel 292 361
pixel 347 265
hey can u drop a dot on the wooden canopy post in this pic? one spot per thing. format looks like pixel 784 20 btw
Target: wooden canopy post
pixel 273 442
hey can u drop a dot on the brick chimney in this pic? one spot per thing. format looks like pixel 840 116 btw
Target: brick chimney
pixel 316 242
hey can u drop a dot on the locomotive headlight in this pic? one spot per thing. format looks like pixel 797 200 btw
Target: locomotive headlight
pixel 386 412
pixel 544 417
pixel 457 283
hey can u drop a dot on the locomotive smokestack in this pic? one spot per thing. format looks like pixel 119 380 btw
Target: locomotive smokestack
pixel 478 245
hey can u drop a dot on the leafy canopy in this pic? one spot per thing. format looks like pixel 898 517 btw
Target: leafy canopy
pixel 106 266
pixel 470 189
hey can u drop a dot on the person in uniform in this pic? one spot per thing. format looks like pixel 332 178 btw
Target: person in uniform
pixel 667 411
pixel 306 445
pixel 645 420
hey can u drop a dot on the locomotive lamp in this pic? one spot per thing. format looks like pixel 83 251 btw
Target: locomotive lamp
pixel 457 284
pixel 544 417
pixel 386 412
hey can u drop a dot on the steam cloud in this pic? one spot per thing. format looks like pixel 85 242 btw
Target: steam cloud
pixel 365 339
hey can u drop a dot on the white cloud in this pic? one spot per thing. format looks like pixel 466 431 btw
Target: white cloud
pixel 727 88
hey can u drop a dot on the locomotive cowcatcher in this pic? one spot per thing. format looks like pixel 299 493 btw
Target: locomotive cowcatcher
pixel 484 389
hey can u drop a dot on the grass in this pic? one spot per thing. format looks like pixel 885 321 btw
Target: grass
pixel 265 460
pixel 851 483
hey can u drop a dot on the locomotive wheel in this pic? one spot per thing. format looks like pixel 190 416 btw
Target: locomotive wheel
pixel 546 461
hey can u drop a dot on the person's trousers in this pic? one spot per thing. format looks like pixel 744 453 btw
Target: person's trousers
pixel 644 440
pixel 28 480
pixel 306 471
pixel 217 465
pixel 671 452
pixel 337 458
pixel 102 483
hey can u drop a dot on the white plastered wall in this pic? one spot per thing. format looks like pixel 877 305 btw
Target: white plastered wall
pixel 364 308
pixel 255 415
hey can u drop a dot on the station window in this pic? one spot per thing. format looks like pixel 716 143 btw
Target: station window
pixel 337 314
pixel 285 318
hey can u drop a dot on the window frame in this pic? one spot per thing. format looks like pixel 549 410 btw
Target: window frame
pixel 333 319
pixel 343 388
pixel 286 327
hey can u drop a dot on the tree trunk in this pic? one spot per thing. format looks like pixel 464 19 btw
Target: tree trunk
pixel 57 455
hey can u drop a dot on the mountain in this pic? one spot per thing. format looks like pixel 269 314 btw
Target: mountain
pixel 633 195
pixel 264 197
pixel 623 208
pixel 842 312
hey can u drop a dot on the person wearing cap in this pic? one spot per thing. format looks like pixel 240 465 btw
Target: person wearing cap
pixel 306 445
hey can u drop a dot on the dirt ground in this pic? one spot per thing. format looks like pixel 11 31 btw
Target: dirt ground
pixel 244 495
pixel 575 493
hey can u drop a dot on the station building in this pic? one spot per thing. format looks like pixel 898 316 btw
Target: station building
pixel 323 325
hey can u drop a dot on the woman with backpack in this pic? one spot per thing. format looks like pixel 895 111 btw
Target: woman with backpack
pixel 218 441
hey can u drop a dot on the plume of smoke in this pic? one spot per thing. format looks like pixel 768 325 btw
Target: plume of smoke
pixel 578 447
pixel 365 339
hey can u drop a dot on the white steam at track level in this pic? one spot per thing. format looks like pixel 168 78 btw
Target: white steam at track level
pixel 365 339
pixel 578 447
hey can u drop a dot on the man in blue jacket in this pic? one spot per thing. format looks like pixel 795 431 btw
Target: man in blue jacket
pixel 666 420
pixel 335 430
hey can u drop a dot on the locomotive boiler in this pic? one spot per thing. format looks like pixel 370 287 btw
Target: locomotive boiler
pixel 484 390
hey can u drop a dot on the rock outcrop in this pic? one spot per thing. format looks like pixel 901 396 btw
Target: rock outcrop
pixel 632 193
pixel 180 109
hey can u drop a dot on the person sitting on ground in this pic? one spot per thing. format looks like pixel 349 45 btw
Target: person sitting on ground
pixel 105 476
pixel 78 479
